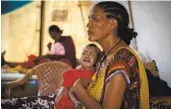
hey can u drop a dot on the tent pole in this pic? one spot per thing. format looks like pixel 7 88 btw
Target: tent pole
pixel 82 16
pixel 131 14
pixel 42 14
pixel 134 40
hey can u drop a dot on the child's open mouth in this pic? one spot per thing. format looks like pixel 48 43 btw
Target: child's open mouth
pixel 86 60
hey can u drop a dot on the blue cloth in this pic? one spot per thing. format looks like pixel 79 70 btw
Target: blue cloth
pixel 9 6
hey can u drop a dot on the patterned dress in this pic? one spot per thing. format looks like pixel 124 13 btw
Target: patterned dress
pixel 124 62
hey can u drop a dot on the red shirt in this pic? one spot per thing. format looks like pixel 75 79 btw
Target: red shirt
pixel 72 75
pixel 69 78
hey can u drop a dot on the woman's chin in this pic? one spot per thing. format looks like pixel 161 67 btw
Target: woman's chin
pixel 91 38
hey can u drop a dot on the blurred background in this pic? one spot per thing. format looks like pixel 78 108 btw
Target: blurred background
pixel 24 28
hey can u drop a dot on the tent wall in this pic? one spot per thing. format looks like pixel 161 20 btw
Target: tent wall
pixel 21 28
pixel 71 17
pixel 152 22
pixel 20 32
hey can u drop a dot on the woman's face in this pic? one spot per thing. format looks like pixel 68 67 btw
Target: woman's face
pixel 98 25
pixel 89 57
pixel 55 35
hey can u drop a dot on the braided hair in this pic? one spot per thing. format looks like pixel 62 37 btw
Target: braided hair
pixel 118 11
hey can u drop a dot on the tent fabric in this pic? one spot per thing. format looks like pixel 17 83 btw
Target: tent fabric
pixel 9 6
pixel 21 27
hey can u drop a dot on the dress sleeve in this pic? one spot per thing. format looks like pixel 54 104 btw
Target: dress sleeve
pixel 124 63
pixel 122 72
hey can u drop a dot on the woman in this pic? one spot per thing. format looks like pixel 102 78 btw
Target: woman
pixel 63 48
pixel 120 81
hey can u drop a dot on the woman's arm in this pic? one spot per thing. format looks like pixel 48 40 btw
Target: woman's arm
pixel 20 81
pixel 114 93
pixel 84 97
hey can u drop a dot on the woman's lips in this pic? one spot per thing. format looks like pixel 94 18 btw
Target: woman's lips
pixel 89 32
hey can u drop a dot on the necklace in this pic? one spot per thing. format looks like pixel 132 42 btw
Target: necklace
pixel 101 64
pixel 105 56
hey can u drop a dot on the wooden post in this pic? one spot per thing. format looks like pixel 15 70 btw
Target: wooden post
pixel 134 40
pixel 131 14
pixel 42 14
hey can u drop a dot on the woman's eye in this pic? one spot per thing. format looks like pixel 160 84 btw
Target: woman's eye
pixel 93 18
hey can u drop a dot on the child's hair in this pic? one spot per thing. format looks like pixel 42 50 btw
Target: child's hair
pixel 97 50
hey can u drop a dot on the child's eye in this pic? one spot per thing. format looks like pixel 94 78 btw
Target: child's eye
pixel 92 54
pixel 83 53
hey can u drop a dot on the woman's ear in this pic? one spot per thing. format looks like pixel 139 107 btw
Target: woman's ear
pixel 113 23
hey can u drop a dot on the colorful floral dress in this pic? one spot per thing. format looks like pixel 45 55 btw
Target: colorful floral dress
pixel 124 61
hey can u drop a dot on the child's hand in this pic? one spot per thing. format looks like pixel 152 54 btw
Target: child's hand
pixel 78 105
pixel 49 46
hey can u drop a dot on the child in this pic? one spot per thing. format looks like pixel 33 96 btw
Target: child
pixel 65 98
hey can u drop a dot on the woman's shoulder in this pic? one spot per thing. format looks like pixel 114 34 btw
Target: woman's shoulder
pixel 124 58
pixel 125 54
pixel 66 38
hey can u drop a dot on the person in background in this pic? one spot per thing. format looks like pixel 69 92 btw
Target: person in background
pixel 21 67
pixel 65 98
pixel 62 48
pixel 120 81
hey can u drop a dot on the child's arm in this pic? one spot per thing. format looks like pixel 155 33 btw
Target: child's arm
pixel 73 98
pixel 62 91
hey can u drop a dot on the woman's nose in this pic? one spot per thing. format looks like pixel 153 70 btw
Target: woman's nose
pixel 89 24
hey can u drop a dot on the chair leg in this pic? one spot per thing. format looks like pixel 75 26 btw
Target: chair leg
pixel 7 92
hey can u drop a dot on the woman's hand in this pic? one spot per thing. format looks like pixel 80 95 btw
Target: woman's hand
pixel 84 97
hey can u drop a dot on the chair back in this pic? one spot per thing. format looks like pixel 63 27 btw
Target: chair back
pixel 50 76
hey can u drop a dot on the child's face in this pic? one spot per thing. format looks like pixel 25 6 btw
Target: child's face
pixel 88 57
